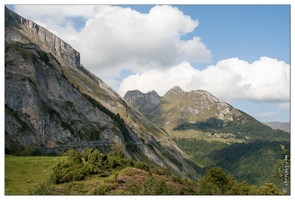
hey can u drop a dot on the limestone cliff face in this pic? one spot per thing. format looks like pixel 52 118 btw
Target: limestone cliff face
pixel 53 103
pixel 41 36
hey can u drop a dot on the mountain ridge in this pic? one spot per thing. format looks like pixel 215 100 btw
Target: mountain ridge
pixel 201 111
pixel 285 126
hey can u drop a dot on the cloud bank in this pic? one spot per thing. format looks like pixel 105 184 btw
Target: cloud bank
pixel 112 39
pixel 115 38
pixel 264 80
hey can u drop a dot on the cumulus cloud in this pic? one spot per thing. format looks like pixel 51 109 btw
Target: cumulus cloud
pixel 159 80
pixel 125 38
pixel 264 80
pixel 116 38
pixel 59 19
pixel 194 50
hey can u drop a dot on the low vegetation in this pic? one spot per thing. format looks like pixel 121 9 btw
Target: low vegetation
pixel 94 173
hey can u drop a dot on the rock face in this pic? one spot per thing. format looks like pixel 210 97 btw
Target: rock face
pixel 53 103
pixel 41 36
pixel 145 103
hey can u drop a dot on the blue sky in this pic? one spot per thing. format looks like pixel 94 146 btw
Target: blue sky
pixel 244 31
pixel 218 48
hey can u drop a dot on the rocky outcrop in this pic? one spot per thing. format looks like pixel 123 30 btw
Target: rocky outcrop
pixel 53 103
pixel 144 102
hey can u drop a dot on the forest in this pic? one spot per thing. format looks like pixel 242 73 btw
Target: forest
pixel 254 162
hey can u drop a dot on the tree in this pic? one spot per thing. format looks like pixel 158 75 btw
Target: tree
pixel 269 189
pixel 216 181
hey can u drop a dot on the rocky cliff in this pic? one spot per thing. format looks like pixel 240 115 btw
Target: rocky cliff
pixel 145 103
pixel 53 103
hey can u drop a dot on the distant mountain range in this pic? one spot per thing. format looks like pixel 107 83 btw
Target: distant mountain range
pixel 201 111
pixel 285 126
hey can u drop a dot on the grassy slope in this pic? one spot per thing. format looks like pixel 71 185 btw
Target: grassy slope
pixel 24 174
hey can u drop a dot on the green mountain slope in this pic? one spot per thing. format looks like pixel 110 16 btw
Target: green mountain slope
pixel 255 162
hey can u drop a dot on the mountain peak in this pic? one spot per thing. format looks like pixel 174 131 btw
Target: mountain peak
pixel 145 102
pixel 176 90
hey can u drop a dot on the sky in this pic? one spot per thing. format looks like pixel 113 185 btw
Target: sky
pixel 238 53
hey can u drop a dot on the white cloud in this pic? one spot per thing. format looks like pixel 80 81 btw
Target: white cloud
pixel 194 50
pixel 116 38
pixel 150 46
pixel 267 114
pixel 264 80
pixel 159 80
pixel 285 105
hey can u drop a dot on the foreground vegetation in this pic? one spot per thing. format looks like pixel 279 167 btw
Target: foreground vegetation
pixel 94 173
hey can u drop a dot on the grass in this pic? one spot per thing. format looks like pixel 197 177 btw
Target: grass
pixel 22 173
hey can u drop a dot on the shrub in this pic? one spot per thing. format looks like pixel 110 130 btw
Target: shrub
pixel 141 165
pixel 42 189
pixel 101 190
pixel 27 151
pixel 153 186
pixel 71 170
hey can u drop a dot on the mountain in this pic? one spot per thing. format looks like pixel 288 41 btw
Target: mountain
pixel 53 103
pixel 199 110
pixel 178 106
pixel 215 134
pixel 285 126
pixel 145 103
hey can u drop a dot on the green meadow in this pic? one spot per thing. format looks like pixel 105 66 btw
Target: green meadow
pixel 23 173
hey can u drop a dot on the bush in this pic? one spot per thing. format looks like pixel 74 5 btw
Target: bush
pixel 101 190
pixel 74 169
pixel 78 166
pixel 153 186
pixel 42 189
pixel 27 151
pixel 143 166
